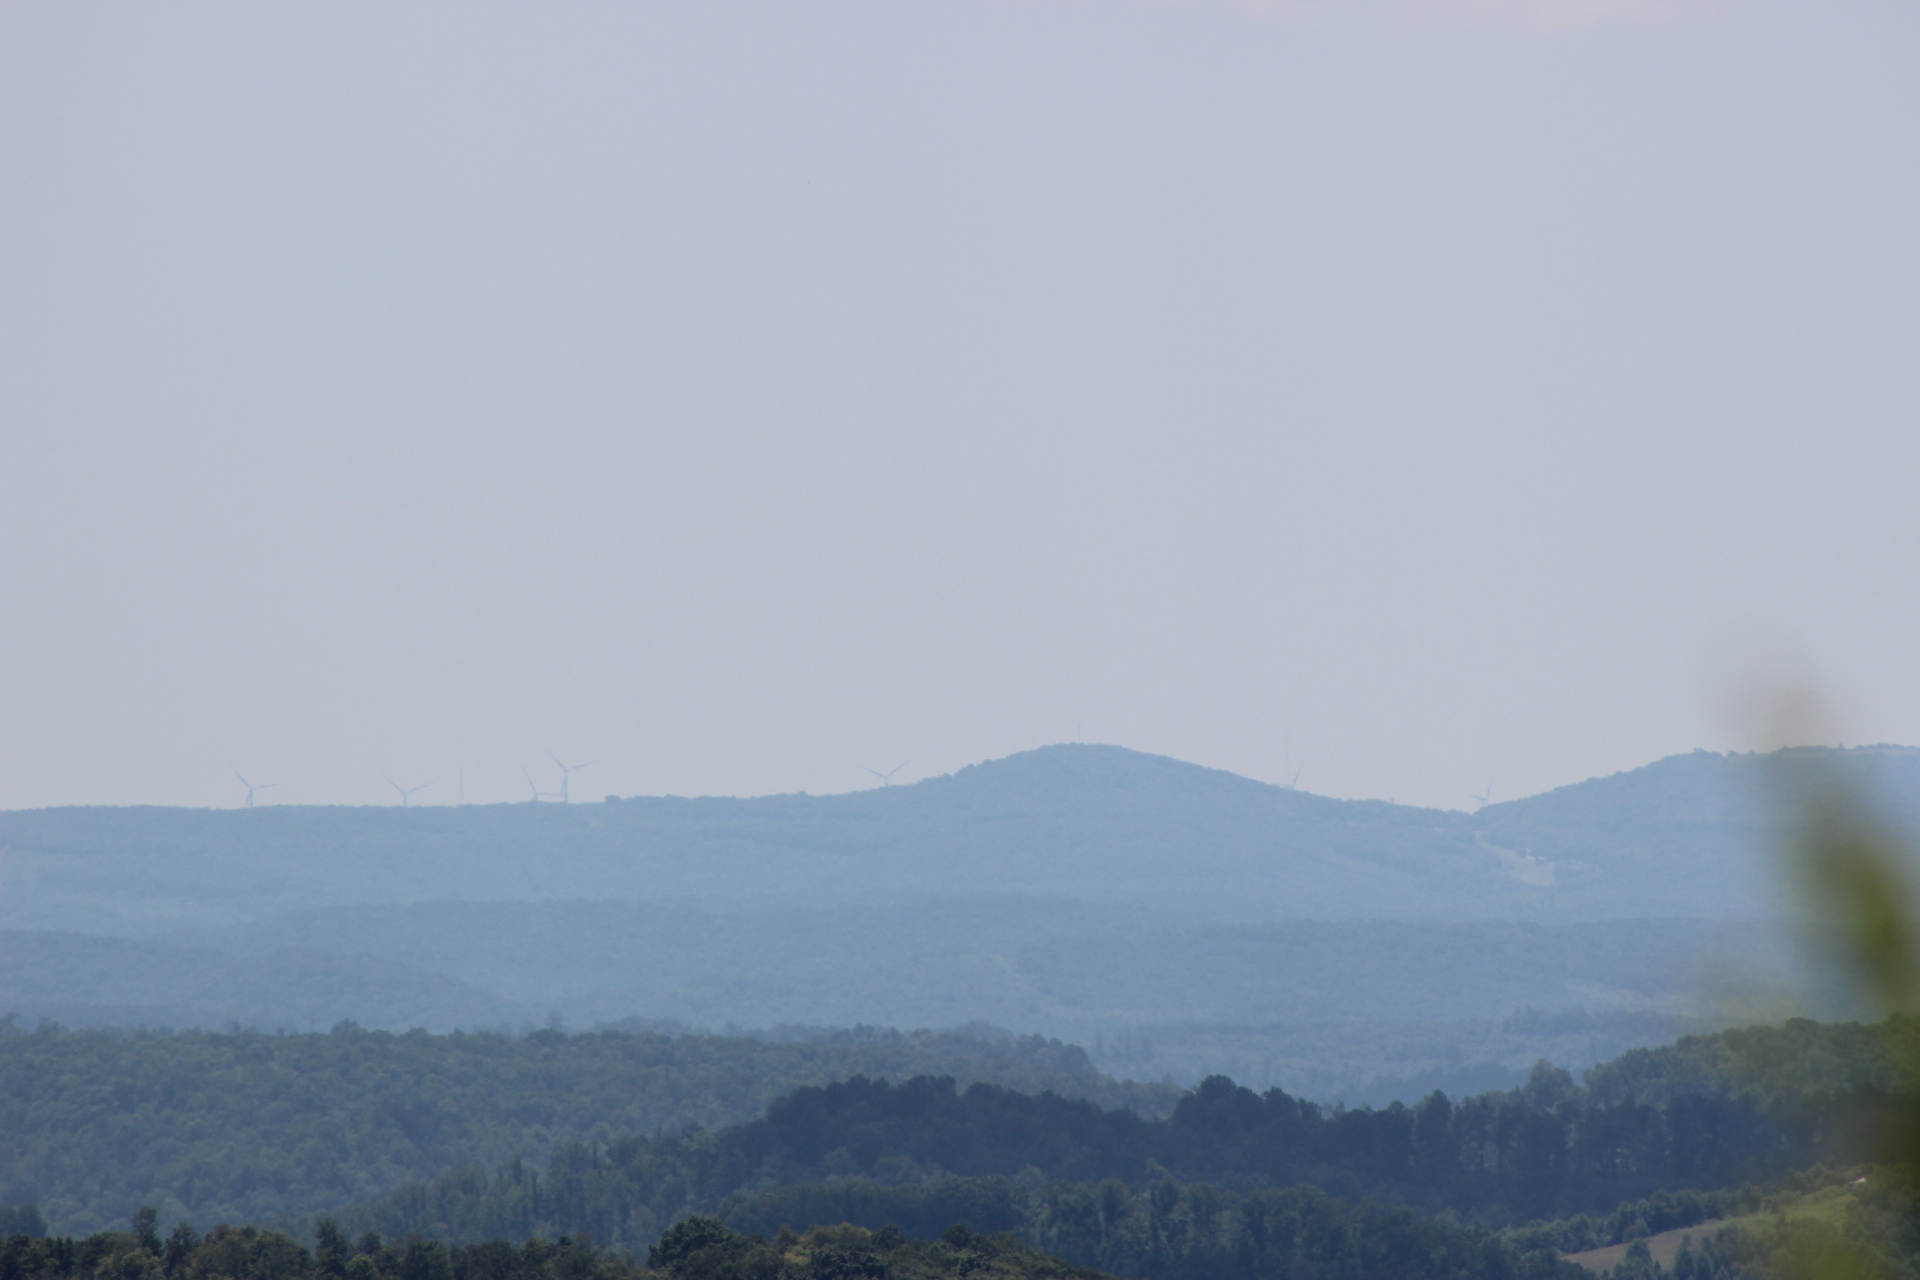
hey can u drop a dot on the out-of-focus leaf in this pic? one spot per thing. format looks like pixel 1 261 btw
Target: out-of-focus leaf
pixel 1859 887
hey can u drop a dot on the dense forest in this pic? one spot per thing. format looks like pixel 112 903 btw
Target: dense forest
pixel 870 1152
pixel 1297 1234
pixel 1675 1131
pixel 1229 1183
pixel 264 1128
pixel 1377 1063
pixel 699 1249
pixel 473 1136
pixel 1294 1235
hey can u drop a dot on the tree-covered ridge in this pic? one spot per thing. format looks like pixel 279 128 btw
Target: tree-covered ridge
pixel 1497 1159
pixel 1283 1236
pixel 1170 1231
pixel 253 1253
pixel 1666 1211
pixel 1706 1114
pixel 1293 1235
pixel 1070 821
pixel 428 1133
pixel 699 1249
pixel 1799 1067
pixel 1167 1233
pixel 705 1248
pixel 262 1128
pixel 1702 1115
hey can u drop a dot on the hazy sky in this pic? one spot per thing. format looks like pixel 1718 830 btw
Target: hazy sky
pixel 1410 395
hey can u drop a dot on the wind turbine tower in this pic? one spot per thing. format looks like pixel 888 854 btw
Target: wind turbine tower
pixel 1485 797
pixel 886 779
pixel 251 788
pixel 566 777
pixel 406 793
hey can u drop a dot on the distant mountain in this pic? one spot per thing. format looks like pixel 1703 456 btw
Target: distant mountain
pixel 1694 834
pixel 1184 917
pixel 1686 836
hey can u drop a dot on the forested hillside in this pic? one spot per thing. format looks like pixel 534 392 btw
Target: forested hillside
pixel 1074 971
pixel 561 1134
pixel 1713 1112
pixel 1285 1236
pixel 1687 1129
pixel 79 979
pixel 1181 920
pixel 1375 1063
pixel 696 1250
pixel 263 1128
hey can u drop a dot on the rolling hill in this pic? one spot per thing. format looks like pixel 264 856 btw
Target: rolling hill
pixel 1176 918
pixel 1684 836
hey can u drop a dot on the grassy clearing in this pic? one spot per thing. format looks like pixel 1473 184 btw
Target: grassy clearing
pixel 1827 1205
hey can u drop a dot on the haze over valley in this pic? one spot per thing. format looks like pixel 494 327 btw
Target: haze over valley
pixel 1176 920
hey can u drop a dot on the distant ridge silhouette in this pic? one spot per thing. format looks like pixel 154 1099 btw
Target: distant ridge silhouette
pixel 1682 836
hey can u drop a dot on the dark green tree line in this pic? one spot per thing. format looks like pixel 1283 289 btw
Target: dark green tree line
pixel 252 1127
pixel 1703 1115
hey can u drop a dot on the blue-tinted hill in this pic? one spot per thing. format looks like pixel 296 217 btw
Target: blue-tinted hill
pixel 1686 836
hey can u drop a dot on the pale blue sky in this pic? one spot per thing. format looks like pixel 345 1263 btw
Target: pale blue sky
pixel 737 395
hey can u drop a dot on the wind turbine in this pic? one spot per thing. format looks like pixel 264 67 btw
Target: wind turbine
pixel 1486 797
pixel 406 793
pixel 886 779
pixel 566 777
pixel 250 787
pixel 538 794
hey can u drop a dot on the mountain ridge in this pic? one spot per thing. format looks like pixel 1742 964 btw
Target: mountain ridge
pixel 1068 821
